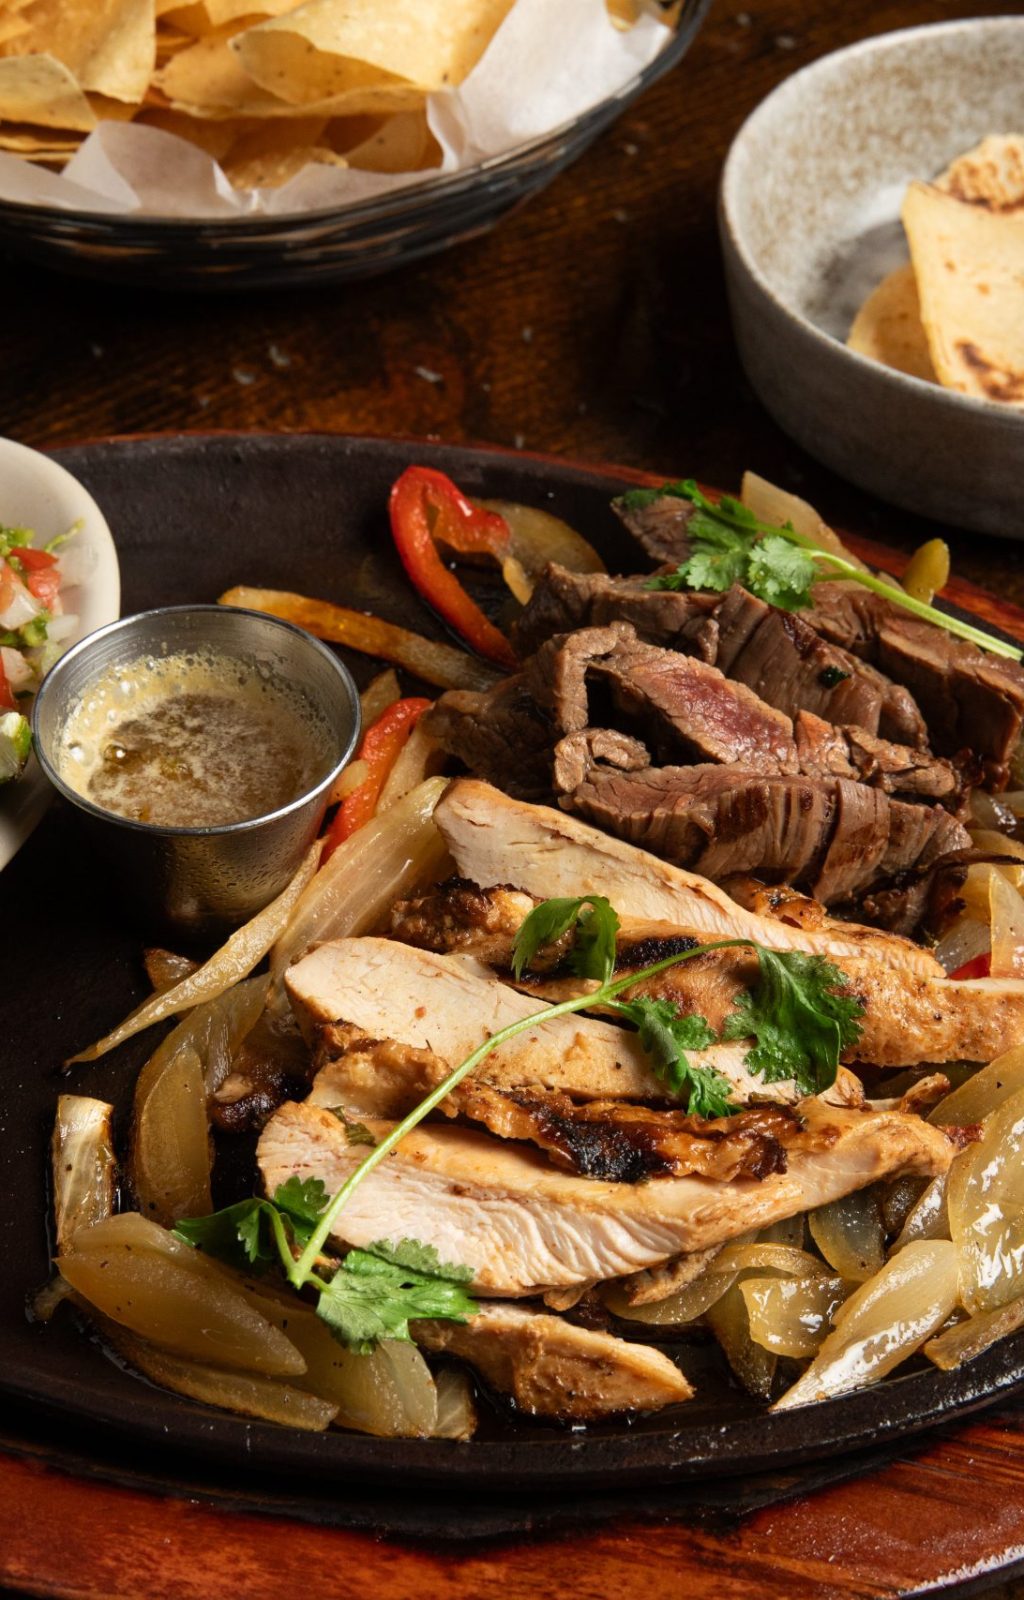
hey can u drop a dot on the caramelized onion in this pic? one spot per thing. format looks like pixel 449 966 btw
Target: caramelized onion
pixel 83 1165
pixel 234 960
pixel 752 1364
pixel 848 1232
pixel 970 1338
pixel 538 538
pixel 928 1218
pixel 1007 909
pixel 157 1286
pixel 769 503
pixel 685 1305
pixel 386 858
pixel 456 1413
pixel 172 1156
pixel 774 1257
pixel 882 1323
pixel 246 1393
pixel 983 1092
pixel 791 1316
pixel 986 1210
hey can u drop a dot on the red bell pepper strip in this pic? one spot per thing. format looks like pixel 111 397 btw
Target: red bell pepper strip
pixel 980 967
pixel 427 506
pixel 380 748
pixel 7 700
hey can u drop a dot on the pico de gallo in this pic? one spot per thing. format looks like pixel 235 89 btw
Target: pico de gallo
pixel 33 629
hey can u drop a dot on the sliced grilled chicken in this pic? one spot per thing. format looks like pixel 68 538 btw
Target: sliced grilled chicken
pixel 523 1227
pixel 909 1017
pixel 366 1077
pixel 657 1283
pixel 495 839
pixel 551 1368
pixel 448 1005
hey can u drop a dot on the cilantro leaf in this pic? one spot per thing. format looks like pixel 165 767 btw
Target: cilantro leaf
pixel 234 1235
pixel 596 924
pixel 355 1132
pixel 242 1235
pixel 781 573
pixel 799 1017
pixel 376 1293
pixel 666 1034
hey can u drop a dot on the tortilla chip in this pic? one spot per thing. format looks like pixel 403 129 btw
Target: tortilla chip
pixel 215 137
pixel 403 143
pixel 221 11
pixel 969 264
pixel 41 91
pixel 888 326
pixel 108 45
pixel 269 156
pixel 327 48
pixel 991 175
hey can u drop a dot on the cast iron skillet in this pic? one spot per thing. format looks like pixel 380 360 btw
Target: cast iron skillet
pixel 192 516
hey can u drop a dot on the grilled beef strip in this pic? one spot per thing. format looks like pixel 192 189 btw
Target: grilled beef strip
pixel 500 734
pixel 831 836
pixel 971 700
pixel 776 653
pixel 660 527
pixel 686 709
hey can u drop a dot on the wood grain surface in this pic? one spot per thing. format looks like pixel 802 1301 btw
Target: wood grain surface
pixel 592 323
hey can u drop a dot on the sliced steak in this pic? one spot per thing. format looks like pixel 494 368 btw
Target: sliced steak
pixel 563 601
pixel 685 709
pixel 659 526
pixel 778 654
pixel 786 661
pixel 831 836
pixel 499 734
pixel 971 700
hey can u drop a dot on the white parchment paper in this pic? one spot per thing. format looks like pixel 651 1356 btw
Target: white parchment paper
pixel 546 65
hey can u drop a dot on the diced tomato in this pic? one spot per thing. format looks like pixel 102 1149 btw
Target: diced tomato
pixel 40 572
pixel 7 700
pixel 980 967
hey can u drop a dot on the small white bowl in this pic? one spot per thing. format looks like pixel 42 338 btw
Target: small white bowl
pixel 36 493
pixel 809 217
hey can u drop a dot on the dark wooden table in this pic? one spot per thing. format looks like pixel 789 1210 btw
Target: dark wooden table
pixel 591 324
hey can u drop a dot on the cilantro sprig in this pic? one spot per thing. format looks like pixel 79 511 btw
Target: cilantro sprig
pixel 371 1295
pixel 729 544
pixel 798 1016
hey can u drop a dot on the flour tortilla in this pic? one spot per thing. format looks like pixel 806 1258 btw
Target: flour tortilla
pixel 969 265
pixel 888 326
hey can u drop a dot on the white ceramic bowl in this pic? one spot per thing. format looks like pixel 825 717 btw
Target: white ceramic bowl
pixel 36 493
pixel 809 217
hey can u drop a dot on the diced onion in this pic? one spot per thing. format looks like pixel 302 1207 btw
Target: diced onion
pixel 848 1232
pixel 385 859
pixel 17 670
pixel 965 1340
pixel 83 1165
pixel 234 960
pixel 159 1287
pixel 986 1210
pixel 791 1316
pixel 21 607
pixel 882 1323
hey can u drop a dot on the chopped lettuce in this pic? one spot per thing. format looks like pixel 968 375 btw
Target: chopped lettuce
pixel 15 743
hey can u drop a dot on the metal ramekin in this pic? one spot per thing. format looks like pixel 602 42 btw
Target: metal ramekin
pixel 201 882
